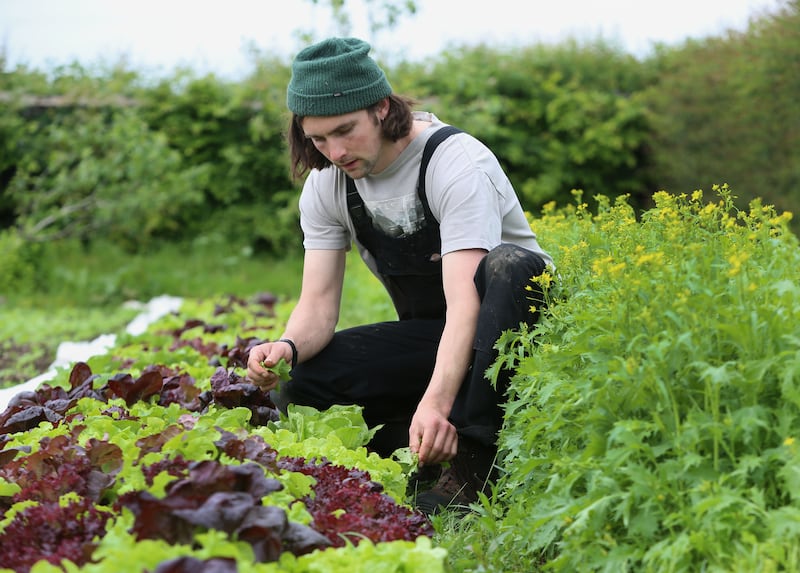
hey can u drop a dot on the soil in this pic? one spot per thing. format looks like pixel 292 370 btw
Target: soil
pixel 22 361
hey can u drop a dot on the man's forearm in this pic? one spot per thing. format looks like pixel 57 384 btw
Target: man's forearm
pixel 309 331
pixel 455 347
pixel 452 362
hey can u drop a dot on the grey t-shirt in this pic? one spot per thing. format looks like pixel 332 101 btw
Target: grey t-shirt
pixel 468 193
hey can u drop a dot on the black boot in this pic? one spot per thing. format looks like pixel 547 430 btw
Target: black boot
pixel 469 474
pixel 423 479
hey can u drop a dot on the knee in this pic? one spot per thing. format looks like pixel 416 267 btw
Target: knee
pixel 512 263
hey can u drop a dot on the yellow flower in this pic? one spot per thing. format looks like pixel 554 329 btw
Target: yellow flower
pixel 736 260
pixel 600 265
pixel 545 279
pixel 606 266
pixel 781 219
pixel 656 258
pixel 788 441
pixel 708 209
pixel 661 197
pixel 549 208
pixel 616 270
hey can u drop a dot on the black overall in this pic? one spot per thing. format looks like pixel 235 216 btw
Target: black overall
pixel 410 265
pixel 386 367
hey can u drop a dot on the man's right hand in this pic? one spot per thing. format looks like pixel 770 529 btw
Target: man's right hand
pixel 270 354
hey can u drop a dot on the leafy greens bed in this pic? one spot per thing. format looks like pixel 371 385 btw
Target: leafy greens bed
pixel 160 456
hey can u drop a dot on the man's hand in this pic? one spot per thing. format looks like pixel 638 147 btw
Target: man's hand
pixel 432 436
pixel 262 358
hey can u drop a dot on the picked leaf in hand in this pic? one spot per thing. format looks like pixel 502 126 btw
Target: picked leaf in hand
pixel 407 459
pixel 281 369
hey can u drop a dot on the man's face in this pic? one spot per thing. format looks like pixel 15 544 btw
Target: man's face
pixel 352 141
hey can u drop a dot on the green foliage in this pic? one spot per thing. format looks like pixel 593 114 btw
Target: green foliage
pixel 344 421
pixel 236 133
pixel 131 556
pixel 653 418
pixel 557 118
pixel 395 557
pixel 19 265
pixel 11 130
pixel 165 155
pixel 86 174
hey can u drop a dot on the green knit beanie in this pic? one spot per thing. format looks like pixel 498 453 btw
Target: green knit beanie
pixel 334 77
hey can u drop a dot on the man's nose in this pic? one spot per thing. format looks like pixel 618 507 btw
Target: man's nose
pixel 336 150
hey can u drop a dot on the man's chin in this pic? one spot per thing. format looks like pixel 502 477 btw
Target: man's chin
pixel 353 170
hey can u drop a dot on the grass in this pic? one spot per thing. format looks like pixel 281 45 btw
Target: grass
pixel 104 274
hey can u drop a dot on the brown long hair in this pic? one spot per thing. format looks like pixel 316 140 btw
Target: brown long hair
pixel 305 156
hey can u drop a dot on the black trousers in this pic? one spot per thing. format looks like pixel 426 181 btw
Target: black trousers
pixel 385 367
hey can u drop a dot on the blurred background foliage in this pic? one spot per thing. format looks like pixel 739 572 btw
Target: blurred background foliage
pixel 109 157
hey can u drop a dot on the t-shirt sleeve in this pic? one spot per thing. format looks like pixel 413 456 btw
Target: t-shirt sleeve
pixel 465 199
pixel 321 220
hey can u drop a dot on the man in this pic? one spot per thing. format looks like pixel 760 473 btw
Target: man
pixel 451 244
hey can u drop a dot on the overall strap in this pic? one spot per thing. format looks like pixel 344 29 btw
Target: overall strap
pixel 430 146
pixel 355 204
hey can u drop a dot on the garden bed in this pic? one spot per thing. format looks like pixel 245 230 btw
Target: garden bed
pixel 160 451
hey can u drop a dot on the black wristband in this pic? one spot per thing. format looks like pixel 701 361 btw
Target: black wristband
pixel 294 350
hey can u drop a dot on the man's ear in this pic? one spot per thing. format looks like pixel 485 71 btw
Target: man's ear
pixel 383 108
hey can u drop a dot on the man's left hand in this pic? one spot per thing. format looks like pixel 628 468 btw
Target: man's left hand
pixel 432 436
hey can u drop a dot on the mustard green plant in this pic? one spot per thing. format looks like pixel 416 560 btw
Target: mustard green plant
pixel 653 418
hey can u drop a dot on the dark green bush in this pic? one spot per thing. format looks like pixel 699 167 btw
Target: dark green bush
pixel 724 109
pixel 21 267
pixel 236 133
pixel 101 174
pixel 558 119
